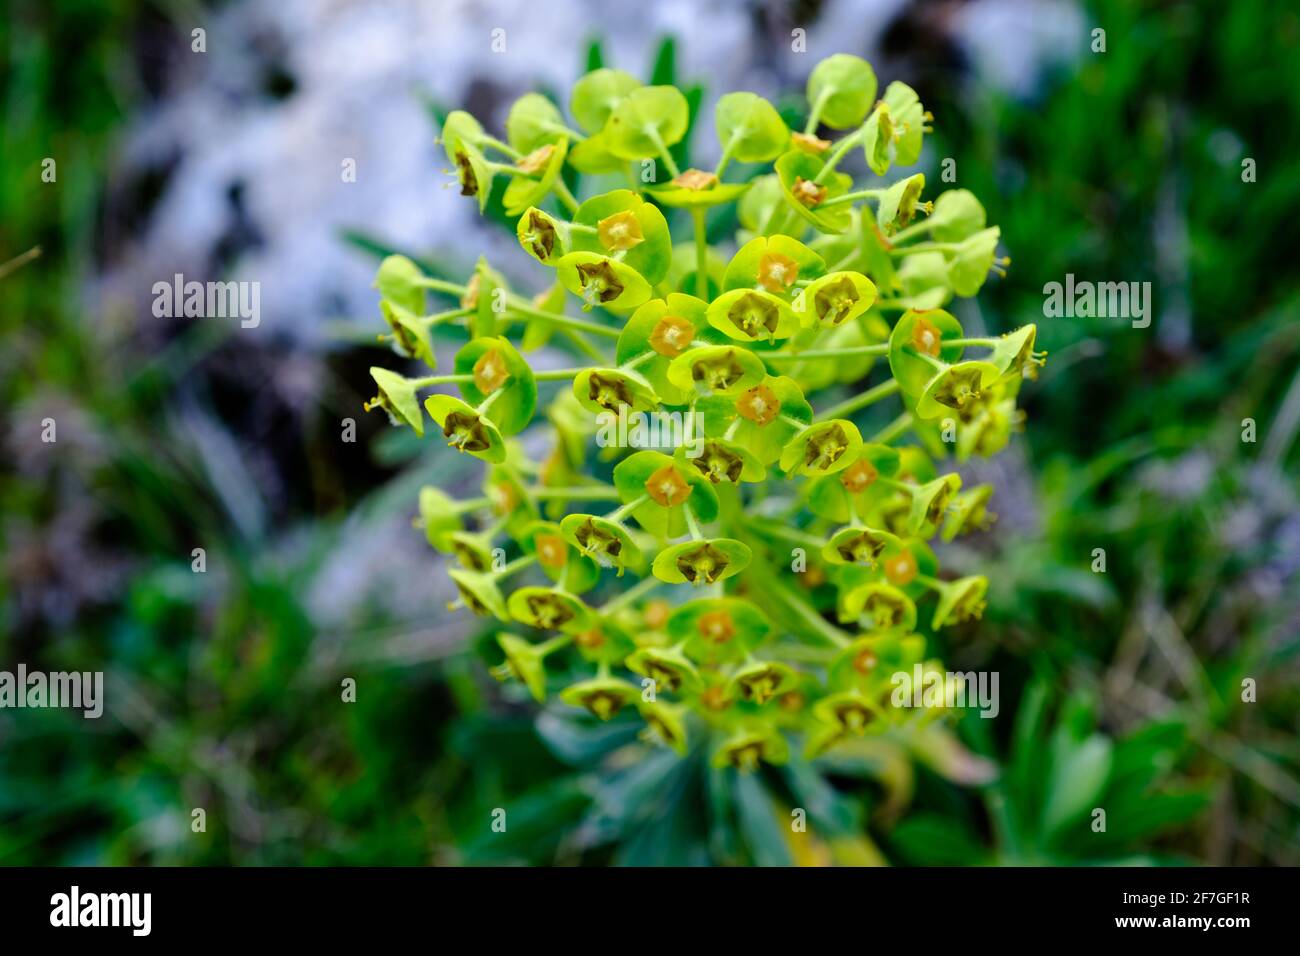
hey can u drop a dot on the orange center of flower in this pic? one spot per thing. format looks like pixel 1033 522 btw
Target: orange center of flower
pixel 865 662
pixel 551 550
pixel 776 273
pixel 656 613
pixel 901 569
pixel 536 160
pixel 808 192
pixel 667 487
pixel 503 497
pixel 671 336
pixel 926 337
pixel 859 477
pixel 590 639
pixel 490 372
pixel 759 404
pixel 619 232
pixel 810 144
pixel 714 698
pixel 470 299
pixel 696 180
pixel 717 626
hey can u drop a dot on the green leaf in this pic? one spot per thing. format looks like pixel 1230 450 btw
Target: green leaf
pixel 957 215
pixel 759 822
pixel 647 119
pixel 927 839
pixel 596 94
pixel 1078 778
pixel 533 122
pixel 845 87
pixel 526 190
pixel 749 128
pixel 398 280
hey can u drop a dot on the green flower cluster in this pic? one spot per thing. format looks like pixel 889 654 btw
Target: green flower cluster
pixel 781 555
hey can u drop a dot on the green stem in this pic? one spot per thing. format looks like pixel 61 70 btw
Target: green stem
pixel 807 613
pixel 915 229
pixel 937 364
pixel 893 430
pixel 793 535
pixel 701 255
pixel 442 285
pixel 851 197
pixel 860 401
pixel 815 114
pixel 448 316
pixel 584 346
pixel 634 593
pixel 561 321
pixel 618 514
pixel 923 247
pixel 641 359
pixel 795 423
pixel 773 218
pixel 725 158
pixel 847 260
pixel 428 380
pixel 881 349
pixel 582 492
pixel 501 147
pixel 896 485
pixel 691 524
pixel 803 653
pixel 523 307
pixel 653 135
pixel 554 644
pixel 842 147
pixel 563 130
pixel 565 196
pixel 557 375
pixel 518 564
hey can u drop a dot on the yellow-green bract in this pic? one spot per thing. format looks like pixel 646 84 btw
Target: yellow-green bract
pixel 746 564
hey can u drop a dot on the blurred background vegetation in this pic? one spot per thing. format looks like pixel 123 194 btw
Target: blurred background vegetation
pixel 1119 690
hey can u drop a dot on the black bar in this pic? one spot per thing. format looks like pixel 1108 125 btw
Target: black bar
pixel 542 907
